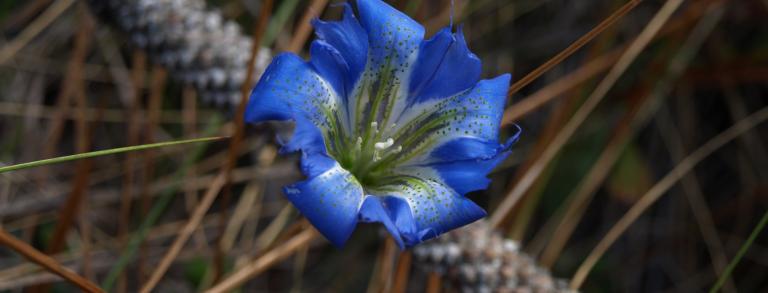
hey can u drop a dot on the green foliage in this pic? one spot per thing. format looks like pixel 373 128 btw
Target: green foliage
pixel 195 269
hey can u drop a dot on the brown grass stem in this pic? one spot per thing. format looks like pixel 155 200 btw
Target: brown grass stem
pixel 639 115
pixel 661 187
pixel 576 45
pixel 266 260
pixel 434 283
pixel 32 30
pixel 553 90
pixel 692 190
pixel 402 272
pixel 184 234
pixel 304 29
pixel 46 262
pixel 69 210
pixel 259 30
pixel 562 137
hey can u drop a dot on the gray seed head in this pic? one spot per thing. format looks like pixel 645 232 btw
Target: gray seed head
pixel 477 259
pixel 197 45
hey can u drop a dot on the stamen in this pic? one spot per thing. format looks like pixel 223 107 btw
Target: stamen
pixel 384 144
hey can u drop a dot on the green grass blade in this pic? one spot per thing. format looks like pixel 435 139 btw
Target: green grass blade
pixel 740 254
pixel 157 210
pixel 278 21
pixel 104 152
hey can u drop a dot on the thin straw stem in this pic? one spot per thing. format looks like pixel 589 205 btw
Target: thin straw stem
pixel 265 261
pixel 583 40
pixel 47 262
pixel 650 197
pixel 562 137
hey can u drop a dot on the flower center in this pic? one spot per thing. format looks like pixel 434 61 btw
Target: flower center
pixel 363 133
pixel 363 138
pixel 370 159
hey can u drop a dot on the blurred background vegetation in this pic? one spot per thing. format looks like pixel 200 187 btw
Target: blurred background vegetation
pixel 643 159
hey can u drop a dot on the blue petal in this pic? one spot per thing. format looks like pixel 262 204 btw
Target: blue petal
pixel 472 128
pixel 465 175
pixel 471 148
pixel 431 55
pixel 330 199
pixel 423 207
pixel 306 137
pixel 349 39
pixel 466 148
pixel 441 212
pixel 374 210
pixel 328 62
pixel 393 37
pixel 484 108
pixel 465 159
pixel 290 87
pixel 396 214
pixel 445 67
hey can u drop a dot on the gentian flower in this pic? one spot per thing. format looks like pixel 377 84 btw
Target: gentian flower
pixel 391 128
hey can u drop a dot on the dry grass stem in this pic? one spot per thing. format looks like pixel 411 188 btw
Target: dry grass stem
pixel 47 262
pixel 184 234
pixel 69 211
pixel 304 29
pixel 576 45
pixel 259 30
pixel 31 9
pixel 402 272
pixel 637 46
pixel 112 115
pixel 692 190
pixel 32 30
pixel 639 115
pixel 553 90
pixel 381 277
pixel 434 283
pixel 686 165
pixel 265 261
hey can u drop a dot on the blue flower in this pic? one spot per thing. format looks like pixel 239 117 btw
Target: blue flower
pixel 391 128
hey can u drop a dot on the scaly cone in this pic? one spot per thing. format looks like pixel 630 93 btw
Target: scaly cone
pixel 195 44
pixel 477 259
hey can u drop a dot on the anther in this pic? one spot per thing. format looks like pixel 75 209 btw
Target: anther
pixel 384 144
